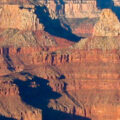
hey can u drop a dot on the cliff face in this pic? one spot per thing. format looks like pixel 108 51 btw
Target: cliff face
pixel 44 75
pixel 112 28
pixel 68 9
pixel 21 19
pixel 116 2
pixel 92 73
pixel 80 9
pixel 11 104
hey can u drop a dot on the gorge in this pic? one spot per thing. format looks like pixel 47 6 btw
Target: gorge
pixel 59 60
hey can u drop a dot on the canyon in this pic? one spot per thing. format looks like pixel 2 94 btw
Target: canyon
pixel 47 72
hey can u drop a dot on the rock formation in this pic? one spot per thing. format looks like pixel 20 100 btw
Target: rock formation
pixel 81 9
pixel 22 19
pixel 47 77
pixel 108 25
pixel 68 9
pixel 116 2
pixel 32 115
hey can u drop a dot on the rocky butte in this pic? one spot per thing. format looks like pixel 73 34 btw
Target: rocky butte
pixel 112 28
pixel 47 77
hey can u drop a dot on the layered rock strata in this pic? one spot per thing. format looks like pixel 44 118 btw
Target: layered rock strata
pixel 81 9
pixel 83 78
pixel 69 9
pixel 22 19
pixel 108 25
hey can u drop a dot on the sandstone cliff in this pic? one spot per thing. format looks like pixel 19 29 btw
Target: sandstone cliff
pixel 15 108
pixel 22 19
pixel 108 25
pixel 68 9
pixel 80 9
pixel 116 2
pixel 105 33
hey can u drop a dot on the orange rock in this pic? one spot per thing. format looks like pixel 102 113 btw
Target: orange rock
pixel 32 115
pixel 81 9
pixel 25 19
pixel 108 25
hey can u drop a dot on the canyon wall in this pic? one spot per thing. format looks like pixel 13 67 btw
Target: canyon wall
pixel 22 19
pixel 89 75
pixel 116 2
pixel 84 29
pixel 8 89
pixel 68 9
pixel 81 9
pixel 73 56
pixel 82 79
pixel 112 28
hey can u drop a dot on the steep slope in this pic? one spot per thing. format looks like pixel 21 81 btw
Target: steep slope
pixel 41 72
pixel 105 35
pixel 21 18
pixel 112 28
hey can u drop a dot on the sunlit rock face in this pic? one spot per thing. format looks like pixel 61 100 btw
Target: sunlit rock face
pixel 81 9
pixel 46 77
pixel 70 9
pixel 116 2
pixel 108 25
pixel 21 18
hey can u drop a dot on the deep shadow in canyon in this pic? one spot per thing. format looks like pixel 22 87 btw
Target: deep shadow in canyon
pixel 40 96
pixel 102 4
pixel 53 26
pixel 5 118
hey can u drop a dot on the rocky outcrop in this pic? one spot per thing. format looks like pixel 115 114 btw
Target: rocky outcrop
pixel 37 56
pixel 7 88
pixel 32 115
pixel 18 39
pixel 108 25
pixel 15 108
pixel 81 9
pixel 21 18
pixel 116 2
pixel 84 30
pixel 52 7
pixel 69 9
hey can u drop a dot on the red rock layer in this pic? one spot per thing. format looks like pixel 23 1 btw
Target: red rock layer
pixel 92 79
pixel 84 30
pixel 8 89
pixel 73 56
pixel 89 75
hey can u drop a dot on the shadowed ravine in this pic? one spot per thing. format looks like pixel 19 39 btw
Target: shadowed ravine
pixel 53 26
pixel 39 97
